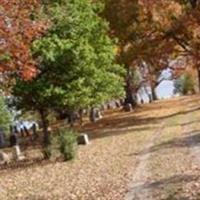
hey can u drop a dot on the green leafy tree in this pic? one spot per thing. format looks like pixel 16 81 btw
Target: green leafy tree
pixel 77 62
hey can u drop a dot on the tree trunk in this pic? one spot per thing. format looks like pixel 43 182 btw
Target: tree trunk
pixel 154 97
pixel 92 114
pixel 129 99
pixel 81 116
pixel 46 139
pixel 71 118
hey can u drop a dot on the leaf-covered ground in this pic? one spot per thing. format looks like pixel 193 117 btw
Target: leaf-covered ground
pixel 152 153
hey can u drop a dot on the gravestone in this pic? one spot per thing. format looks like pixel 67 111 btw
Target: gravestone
pixel 122 102
pixel 108 106
pixel 15 129
pixel 34 131
pixel 17 155
pixel 85 112
pixel 117 103
pixel 83 139
pixel 128 107
pixel 26 131
pixel 93 115
pixel 13 140
pixel 112 105
pixel 98 114
pixel 4 158
pixel 14 143
pixel 104 107
pixel 72 117
pixel 22 132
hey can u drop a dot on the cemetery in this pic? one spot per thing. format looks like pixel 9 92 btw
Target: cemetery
pixel 100 100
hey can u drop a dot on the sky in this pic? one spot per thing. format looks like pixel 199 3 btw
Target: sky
pixel 163 91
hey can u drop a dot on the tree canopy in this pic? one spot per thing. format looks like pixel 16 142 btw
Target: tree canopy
pixel 76 61
pixel 19 26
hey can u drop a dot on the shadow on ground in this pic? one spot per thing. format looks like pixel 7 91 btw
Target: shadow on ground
pixel 127 123
pixel 170 188
pixel 187 141
pixel 28 163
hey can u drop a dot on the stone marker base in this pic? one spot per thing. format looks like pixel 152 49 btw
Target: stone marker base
pixel 17 155
pixel 83 139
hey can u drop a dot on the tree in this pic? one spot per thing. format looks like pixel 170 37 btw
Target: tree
pixel 18 28
pixel 141 35
pixel 183 31
pixel 77 62
pixel 154 32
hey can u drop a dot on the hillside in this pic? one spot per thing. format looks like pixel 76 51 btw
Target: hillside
pixel 151 153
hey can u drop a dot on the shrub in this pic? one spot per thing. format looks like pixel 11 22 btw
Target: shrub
pixel 67 143
pixel 184 84
pixel 188 84
pixel 64 143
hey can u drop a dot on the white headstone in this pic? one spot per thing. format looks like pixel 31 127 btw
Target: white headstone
pixel 17 153
pixel 4 158
pixel 83 139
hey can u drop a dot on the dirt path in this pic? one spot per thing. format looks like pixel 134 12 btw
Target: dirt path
pixel 169 166
pixel 192 141
pixel 141 173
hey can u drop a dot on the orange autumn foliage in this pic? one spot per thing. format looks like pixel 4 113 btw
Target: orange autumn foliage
pixel 18 29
